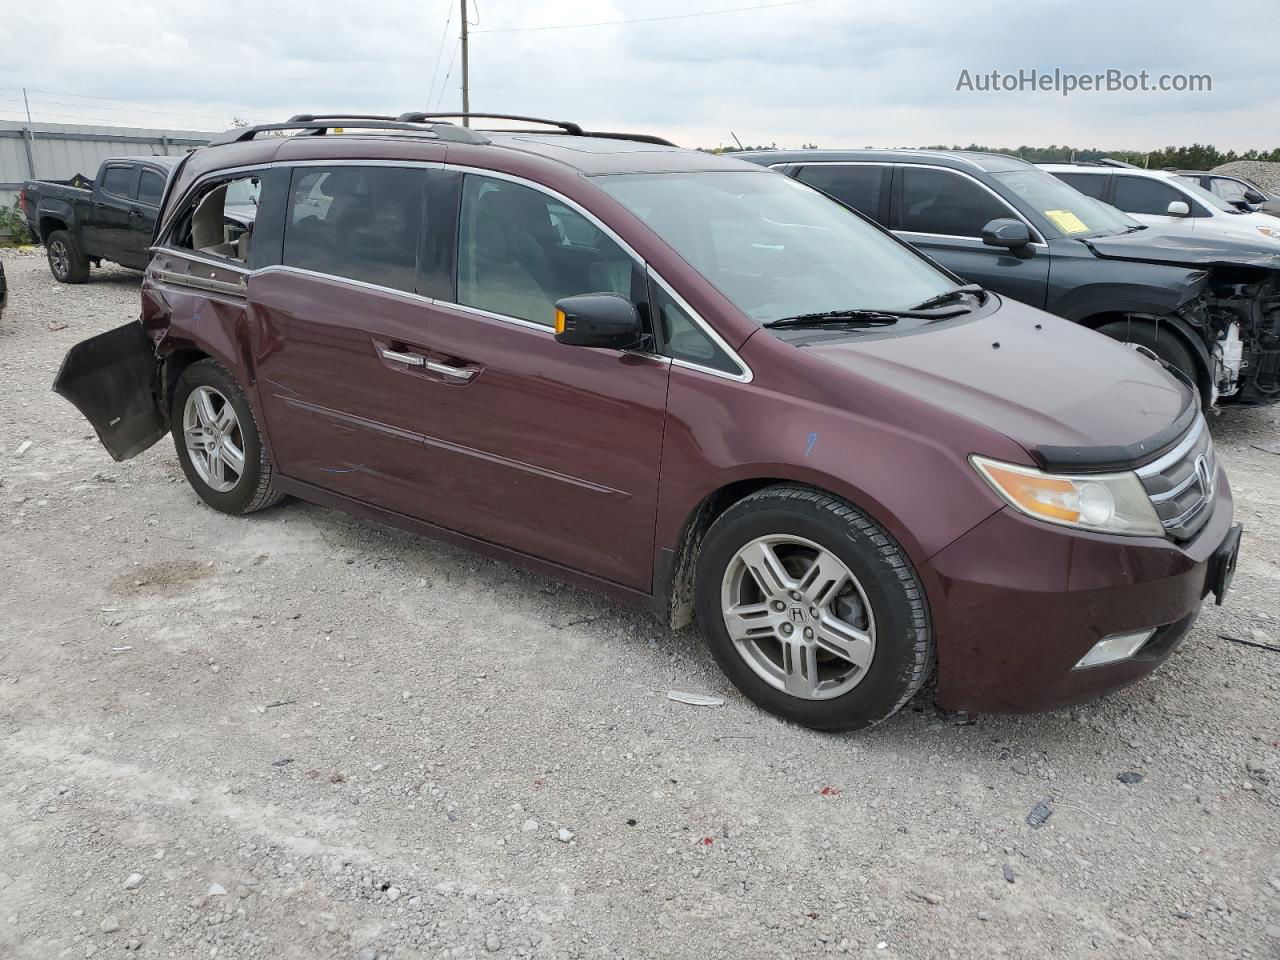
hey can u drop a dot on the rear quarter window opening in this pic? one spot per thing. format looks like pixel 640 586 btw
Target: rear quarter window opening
pixel 219 221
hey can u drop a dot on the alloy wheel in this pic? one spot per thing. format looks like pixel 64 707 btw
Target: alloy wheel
pixel 214 440
pixel 59 258
pixel 798 616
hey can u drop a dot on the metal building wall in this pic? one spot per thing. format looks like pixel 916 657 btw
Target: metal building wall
pixel 58 151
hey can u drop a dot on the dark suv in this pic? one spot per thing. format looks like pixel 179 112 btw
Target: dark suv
pixel 686 381
pixel 1208 307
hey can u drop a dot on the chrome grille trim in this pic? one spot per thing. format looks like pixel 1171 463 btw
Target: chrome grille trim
pixel 1177 453
pixel 1181 483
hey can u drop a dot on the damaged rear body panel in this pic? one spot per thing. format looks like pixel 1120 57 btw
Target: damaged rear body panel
pixel 1235 312
pixel 113 379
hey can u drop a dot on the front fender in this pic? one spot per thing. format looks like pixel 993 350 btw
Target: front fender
pixel 1122 296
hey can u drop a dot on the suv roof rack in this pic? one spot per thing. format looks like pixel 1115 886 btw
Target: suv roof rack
pixel 565 127
pixel 438 125
pixel 319 124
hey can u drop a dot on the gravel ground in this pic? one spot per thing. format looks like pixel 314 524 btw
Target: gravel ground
pixel 302 736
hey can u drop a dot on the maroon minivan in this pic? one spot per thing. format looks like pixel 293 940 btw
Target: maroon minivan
pixel 685 380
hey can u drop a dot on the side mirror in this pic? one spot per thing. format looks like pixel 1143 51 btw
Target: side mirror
pixel 1006 232
pixel 1253 196
pixel 598 320
pixel 1179 208
pixel 1241 204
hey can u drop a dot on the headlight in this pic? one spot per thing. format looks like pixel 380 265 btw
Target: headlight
pixel 1272 232
pixel 1106 502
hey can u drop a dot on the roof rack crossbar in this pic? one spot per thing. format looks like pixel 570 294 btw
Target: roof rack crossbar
pixel 319 124
pixel 437 125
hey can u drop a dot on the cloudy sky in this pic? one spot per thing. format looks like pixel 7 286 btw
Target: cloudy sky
pixel 872 72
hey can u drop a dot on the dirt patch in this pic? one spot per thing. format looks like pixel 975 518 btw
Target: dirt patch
pixel 160 579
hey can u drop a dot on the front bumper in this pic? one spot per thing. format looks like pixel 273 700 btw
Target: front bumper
pixel 1016 603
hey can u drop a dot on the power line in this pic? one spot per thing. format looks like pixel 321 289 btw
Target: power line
pixel 175 112
pixel 445 83
pixel 179 106
pixel 444 35
pixel 674 16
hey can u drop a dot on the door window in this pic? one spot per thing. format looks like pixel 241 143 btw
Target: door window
pixel 1145 195
pixel 358 223
pixel 118 181
pixel 214 225
pixel 1090 184
pixel 520 250
pixel 683 338
pixel 150 188
pixel 856 185
pixel 942 202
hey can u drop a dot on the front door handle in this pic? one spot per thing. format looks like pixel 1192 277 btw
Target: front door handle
pixel 412 359
pixel 462 373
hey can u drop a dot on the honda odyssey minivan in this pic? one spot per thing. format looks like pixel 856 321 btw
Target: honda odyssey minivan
pixel 687 381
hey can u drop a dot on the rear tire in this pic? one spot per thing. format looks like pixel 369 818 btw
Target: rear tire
pixel 839 639
pixel 218 441
pixel 1164 343
pixel 66 262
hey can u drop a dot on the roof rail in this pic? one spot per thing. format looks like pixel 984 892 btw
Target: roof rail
pixel 567 127
pixel 437 125
pixel 319 124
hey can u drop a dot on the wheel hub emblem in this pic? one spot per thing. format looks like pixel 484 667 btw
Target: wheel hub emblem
pixel 798 615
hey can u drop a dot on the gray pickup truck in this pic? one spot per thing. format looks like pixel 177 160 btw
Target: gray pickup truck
pixel 111 217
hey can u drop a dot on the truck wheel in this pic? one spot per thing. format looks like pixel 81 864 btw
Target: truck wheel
pixel 1165 344
pixel 812 610
pixel 66 261
pixel 218 442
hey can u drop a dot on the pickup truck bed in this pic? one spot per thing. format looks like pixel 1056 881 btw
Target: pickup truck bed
pixel 111 217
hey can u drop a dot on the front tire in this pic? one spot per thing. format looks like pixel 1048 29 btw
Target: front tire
pixel 812 610
pixel 1165 344
pixel 218 441
pixel 66 262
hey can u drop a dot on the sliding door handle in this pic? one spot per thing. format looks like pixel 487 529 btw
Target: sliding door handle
pixel 412 359
pixel 462 373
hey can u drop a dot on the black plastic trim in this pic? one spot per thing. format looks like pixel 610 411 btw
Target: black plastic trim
pixel 1117 457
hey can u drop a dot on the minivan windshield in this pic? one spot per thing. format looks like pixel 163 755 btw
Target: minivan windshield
pixel 1069 210
pixel 775 247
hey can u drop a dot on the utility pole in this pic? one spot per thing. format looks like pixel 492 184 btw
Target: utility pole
pixel 466 70
pixel 29 138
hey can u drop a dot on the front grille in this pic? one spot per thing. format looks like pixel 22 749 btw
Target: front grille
pixel 1182 481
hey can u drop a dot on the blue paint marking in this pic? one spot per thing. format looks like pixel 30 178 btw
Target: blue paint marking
pixel 813 438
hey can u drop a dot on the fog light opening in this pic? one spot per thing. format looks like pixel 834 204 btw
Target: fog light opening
pixel 1119 646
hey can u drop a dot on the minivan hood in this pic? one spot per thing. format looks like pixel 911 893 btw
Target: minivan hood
pixel 1070 397
pixel 1196 249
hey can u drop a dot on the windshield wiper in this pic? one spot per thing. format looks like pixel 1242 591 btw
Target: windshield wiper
pixel 872 318
pixel 969 289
